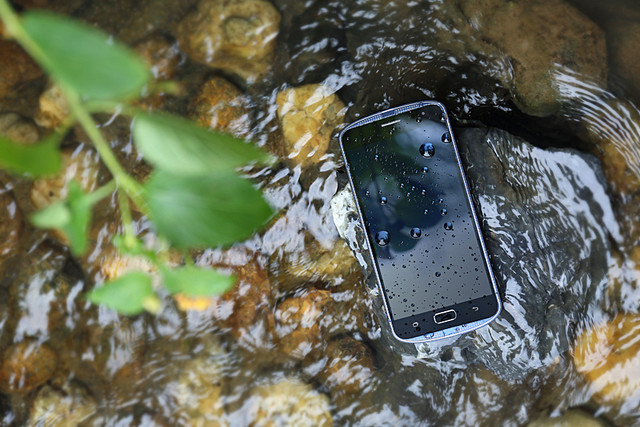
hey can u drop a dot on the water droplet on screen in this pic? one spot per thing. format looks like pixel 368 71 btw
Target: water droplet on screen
pixel 415 232
pixel 425 169
pixel 448 226
pixel 426 211
pixel 440 200
pixel 438 274
pixel 446 137
pixel 418 119
pixel 427 150
pixel 443 212
pixel 366 193
pixel 376 157
pixel 382 238
pixel 383 200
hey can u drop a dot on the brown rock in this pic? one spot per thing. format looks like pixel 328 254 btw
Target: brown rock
pixel 608 356
pixel 573 417
pixel 17 67
pixel 537 37
pixel 349 365
pixel 288 402
pixel 219 105
pixel 318 264
pixel 62 408
pixel 161 56
pixel 17 128
pixel 308 114
pixel 300 323
pixel 238 36
pixel 26 365
pixel 11 225
pixel 53 108
pixel 624 44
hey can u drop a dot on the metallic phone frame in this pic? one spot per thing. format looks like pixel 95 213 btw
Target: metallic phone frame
pixel 456 330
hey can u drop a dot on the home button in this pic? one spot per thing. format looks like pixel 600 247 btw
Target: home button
pixel 445 316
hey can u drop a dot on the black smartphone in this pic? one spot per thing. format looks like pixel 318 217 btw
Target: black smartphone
pixel 425 241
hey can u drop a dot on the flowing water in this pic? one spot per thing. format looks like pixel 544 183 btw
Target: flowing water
pixel 542 95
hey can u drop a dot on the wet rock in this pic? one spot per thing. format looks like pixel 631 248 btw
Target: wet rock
pixel 26 365
pixel 288 402
pixel 17 128
pixel 11 225
pixel 245 310
pixel 53 108
pixel 235 36
pixel 197 393
pixel 308 115
pixel 17 67
pixel 302 321
pixel 67 407
pixel 349 366
pixel 220 105
pixel 608 356
pixel 623 38
pixel 335 265
pixel 537 37
pixel 162 57
pixel 573 417
pixel 81 165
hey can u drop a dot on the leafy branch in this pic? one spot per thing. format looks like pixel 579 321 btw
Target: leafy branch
pixel 194 197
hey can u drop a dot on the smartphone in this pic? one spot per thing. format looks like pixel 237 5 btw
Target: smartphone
pixel 429 257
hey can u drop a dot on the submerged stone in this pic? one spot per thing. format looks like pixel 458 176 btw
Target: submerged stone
pixel 53 108
pixel 236 36
pixel 608 356
pixel 67 407
pixel 288 402
pixel 309 115
pixel 26 365
pixel 220 105
pixel 539 36
pixel 18 129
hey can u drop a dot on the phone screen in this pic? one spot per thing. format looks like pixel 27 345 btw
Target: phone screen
pixel 418 217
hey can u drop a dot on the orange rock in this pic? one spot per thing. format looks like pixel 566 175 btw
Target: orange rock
pixel 301 323
pixel 608 356
pixel 251 300
pixel 349 365
pixel 26 365
pixel 221 106
pixel 161 56
pixel 309 115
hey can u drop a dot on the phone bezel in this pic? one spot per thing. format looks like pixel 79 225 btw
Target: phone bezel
pixel 459 329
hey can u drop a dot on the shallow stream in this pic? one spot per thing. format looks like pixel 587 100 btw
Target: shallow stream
pixel 542 95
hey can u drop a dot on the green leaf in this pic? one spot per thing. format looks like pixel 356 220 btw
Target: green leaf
pixel 36 160
pixel 72 217
pixel 128 294
pixel 77 230
pixel 196 281
pixel 56 215
pixel 184 148
pixel 203 211
pixel 85 59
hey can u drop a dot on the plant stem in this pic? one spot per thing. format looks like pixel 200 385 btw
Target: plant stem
pixel 101 192
pixel 123 180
